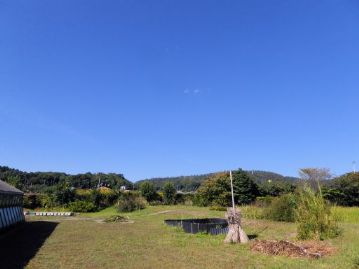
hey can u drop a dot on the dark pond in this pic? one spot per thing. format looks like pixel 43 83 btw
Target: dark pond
pixel 212 226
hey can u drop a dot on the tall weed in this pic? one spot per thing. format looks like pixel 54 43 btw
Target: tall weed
pixel 313 216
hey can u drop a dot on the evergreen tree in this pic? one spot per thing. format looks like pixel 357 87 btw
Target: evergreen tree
pixel 245 190
pixel 169 193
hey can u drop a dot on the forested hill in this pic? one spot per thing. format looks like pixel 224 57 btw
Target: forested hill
pixel 191 183
pixel 262 176
pixel 183 183
pixel 40 181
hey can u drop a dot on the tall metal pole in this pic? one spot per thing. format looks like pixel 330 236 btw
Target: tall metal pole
pixel 230 175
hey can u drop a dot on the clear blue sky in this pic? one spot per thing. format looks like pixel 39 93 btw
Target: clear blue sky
pixel 160 88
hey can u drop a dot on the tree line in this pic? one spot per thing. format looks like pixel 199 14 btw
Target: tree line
pixel 61 189
pixel 39 182
pixel 192 183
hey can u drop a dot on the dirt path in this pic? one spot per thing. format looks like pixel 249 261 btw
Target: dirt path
pixel 162 212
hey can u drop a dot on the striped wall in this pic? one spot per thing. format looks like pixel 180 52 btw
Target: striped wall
pixel 10 216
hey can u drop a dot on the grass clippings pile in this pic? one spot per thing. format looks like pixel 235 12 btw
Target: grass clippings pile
pixel 285 248
pixel 116 218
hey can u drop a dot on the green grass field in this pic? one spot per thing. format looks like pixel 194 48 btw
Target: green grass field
pixel 346 214
pixel 85 242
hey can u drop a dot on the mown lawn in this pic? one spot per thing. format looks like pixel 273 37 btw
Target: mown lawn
pixel 84 242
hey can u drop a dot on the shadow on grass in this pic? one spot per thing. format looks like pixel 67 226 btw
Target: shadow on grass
pixel 252 236
pixel 20 244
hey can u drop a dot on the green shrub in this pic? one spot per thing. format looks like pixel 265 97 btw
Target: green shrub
pixel 129 202
pixel 83 194
pixel 155 203
pixel 95 197
pixel 63 194
pixel 199 200
pixel 281 208
pixel 32 201
pixel 101 198
pixel 179 198
pixel 252 212
pixel 313 216
pixel 47 201
pixel 263 201
pixel 184 198
pixel 82 206
pixel 148 191
pixel 108 199
pixel 169 194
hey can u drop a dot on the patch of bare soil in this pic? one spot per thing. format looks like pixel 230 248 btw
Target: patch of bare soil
pixel 161 212
pixel 285 248
pixel 180 211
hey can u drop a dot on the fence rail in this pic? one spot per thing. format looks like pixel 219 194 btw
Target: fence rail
pixel 36 213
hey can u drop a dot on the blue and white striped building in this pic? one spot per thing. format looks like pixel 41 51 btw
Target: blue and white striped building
pixel 11 202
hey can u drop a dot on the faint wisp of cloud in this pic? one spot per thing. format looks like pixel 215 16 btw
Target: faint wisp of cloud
pixel 196 91
pixel 192 91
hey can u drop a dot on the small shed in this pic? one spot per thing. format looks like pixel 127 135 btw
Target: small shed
pixel 11 205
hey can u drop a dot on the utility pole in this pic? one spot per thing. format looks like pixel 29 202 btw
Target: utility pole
pixel 230 175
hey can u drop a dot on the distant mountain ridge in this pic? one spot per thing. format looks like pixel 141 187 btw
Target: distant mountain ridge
pixel 192 183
